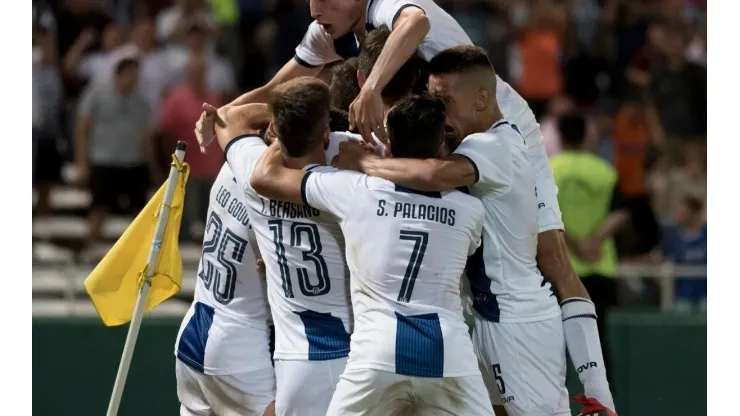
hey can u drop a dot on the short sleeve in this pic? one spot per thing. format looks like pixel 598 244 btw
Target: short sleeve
pixel 550 217
pixel 242 155
pixel 87 103
pixel 330 191
pixel 490 158
pixel 386 12
pixel 316 48
pixel 337 137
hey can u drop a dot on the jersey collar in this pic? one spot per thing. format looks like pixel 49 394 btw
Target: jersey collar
pixel 498 123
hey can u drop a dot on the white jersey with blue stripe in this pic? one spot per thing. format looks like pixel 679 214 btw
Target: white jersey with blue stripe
pixel 504 280
pixel 406 251
pixel 318 48
pixel 307 276
pixel 229 293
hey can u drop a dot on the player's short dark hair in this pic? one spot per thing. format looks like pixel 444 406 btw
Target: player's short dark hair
pixel 405 78
pixel 344 87
pixel 694 204
pixel 463 59
pixel 126 64
pixel 572 128
pixel 338 120
pixel 416 126
pixel 300 114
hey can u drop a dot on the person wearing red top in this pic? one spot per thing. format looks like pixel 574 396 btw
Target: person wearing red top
pixel 180 110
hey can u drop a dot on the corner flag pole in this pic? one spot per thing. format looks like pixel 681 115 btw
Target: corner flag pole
pixel 133 329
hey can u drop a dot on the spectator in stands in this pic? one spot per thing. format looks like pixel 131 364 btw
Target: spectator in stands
pixel 93 66
pixel 689 178
pixel 539 48
pixel 219 72
pixel 180 110
pixel 113 146
pixel 680 90
pixel 593 212
pixel 174 23
pixel 47 95
pixel 77 16
pixel 155 70
pixel 685 244
pixel 633 139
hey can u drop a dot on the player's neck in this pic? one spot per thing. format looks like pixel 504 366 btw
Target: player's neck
pixel 360 27
pixel 492 115
pixel 316 157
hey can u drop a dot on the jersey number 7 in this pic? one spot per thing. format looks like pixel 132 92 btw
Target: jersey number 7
pixel 420 239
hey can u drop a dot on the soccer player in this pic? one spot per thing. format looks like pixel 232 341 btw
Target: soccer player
pixel 520 332
pixel 302 248
pixel 406 251
pixel 223 361
pixel 421 26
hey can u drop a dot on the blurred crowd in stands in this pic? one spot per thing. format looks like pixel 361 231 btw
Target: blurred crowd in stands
pixel 117 82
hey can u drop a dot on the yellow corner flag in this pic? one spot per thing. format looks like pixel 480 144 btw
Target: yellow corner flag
pixel 114 284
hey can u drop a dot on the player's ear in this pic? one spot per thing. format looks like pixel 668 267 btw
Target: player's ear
pixel 360 79
pixel 271 135
pixel 483 100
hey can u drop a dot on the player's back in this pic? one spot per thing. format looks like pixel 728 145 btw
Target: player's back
pixel 308 284
pixel 229 293
pixel 504 279
pixel 406 251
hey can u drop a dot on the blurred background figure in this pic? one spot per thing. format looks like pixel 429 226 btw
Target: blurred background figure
pixel 47 91
pixel 593 211
pixel 113 147
pixel 685 244
pixel 180 110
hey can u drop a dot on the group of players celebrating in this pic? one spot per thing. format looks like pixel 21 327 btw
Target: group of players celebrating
pixel 373 244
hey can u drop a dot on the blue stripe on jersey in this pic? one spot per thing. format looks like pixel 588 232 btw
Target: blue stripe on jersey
pixel 420 350
pixel 327 338
pixel 484 302
pixel 192 346
pixel 400 188
pixel 346 46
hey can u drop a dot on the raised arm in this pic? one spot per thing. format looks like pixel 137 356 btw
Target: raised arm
pixel 366 112
pixel 292 69
pixel 273 180
pixel 240 121
pixel 426 175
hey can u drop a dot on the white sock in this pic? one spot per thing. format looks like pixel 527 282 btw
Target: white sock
pixel 584 348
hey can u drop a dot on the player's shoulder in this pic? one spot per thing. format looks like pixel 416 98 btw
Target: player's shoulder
pixel 462 199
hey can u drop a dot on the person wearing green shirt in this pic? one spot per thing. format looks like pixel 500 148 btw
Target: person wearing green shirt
pixel 592 211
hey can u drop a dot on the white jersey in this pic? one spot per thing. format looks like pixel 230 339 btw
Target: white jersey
pixel 408 317
pixel 229 293
pixel 307 277
pixel 335 138
pixel 318 48
pixel 504 279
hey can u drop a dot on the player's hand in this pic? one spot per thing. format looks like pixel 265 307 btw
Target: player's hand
pixel 86 38
pixel 261 268
pixel 366 115
pixel 350 155
pixel 205 127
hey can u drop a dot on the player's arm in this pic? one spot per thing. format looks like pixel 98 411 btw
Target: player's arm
pixel 428 175
pixel 315 50
pixel 408 30
pixel 292 69
pixel 273 180
pixel 249 119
